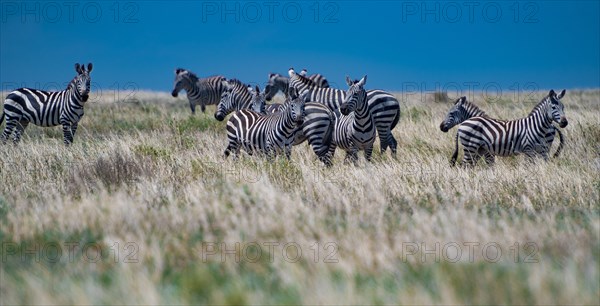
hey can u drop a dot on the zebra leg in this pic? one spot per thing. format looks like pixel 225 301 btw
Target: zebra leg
pixel 469 158
pixel 232 147
pixel 8 129
pixel 369 152
pixel 74 129
pixel 203 107
pixel 351 156
pixel 67 134
pixel 193 108
pixel 490 159
pixel 20 128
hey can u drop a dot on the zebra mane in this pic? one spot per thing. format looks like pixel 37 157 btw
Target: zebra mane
pixel 72 83
pixel 540 105
pixel 237 84
pixel 472 108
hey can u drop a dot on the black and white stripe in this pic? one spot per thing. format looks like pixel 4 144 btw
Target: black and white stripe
pixel 487 137
pixel 46 109
pixel 383 106
pixel 279 83
pixel 463 110
pixel 317 127
pixel 200 91
pixel 236 96
pixel 354 129
pixel 268 134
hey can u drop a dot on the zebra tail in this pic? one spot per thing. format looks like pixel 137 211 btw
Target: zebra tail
pixel 455 155
pixel 560 144
pixel 396 119
pixel 2 118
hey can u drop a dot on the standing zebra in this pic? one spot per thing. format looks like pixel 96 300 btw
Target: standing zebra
pixel 269 134
pixel 354 128
pixel 463 110
pixel 279 83
pixel 317 128
pixel 484 136
pixel 44 108
pixel 200 91
pixel 383 106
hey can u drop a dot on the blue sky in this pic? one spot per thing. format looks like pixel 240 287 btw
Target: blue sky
pixel 398 44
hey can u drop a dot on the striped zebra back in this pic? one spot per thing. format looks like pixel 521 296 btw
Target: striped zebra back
pixel 200 91
pixel 317 78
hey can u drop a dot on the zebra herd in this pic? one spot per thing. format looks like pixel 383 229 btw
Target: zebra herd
pixel 312 111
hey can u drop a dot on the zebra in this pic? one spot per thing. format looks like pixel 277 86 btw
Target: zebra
pixel 317 128
pixel 463 110
pixel 354 128
pixel 383 106
pixel 48 108
pixel 269 134
pixel 484 136
pixel 236 96
pixel 200 91
pixel 259 103
pixel 279 83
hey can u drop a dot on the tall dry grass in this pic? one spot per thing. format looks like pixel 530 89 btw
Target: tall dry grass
pixel 144 209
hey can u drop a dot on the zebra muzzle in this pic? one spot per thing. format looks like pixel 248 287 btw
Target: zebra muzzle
pixel 563 122
pixel 174 94
pixel 444 127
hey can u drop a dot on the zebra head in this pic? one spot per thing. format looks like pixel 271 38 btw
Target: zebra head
pixel 356 96
pixel 276 83
pixel 227 103
pixel 295 105
pixel 82 81
pixel 184 79
pixel 258 103
pixel 556 110
pixel 454 115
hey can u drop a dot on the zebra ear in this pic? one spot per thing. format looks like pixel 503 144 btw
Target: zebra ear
pixel 561 94
pixel 363 81
pixel 551 93
pixel 90 67
pixel 291 72
pixel 303 72
pixel 78 68
pixel 461 100
pixel 349 81
pixel 257 89
pixel 178 71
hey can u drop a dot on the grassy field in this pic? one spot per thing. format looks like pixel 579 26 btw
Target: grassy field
pixel 144 209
